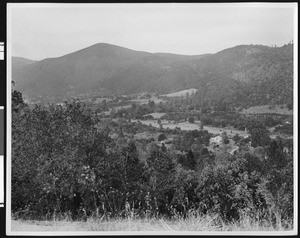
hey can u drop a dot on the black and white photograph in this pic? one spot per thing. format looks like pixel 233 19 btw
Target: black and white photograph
pixel 152 119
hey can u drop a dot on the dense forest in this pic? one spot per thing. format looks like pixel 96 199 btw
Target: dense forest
pixel 65 163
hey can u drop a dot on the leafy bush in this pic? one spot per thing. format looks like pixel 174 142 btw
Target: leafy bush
pixel 187 161
pixel 228 188
pixel 285 129
pixel 161 137
pixel 191 119
pixel 289 106
pixel 260 137
pixel 236 138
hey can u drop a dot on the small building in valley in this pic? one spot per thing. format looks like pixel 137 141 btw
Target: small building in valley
pixel 215 141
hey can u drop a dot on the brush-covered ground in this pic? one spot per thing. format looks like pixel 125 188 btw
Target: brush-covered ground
pixel 205 223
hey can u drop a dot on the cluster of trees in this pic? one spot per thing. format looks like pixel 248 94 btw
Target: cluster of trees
pixel 195 138
pixel 285 129
pixel 63 163
pixel 240 121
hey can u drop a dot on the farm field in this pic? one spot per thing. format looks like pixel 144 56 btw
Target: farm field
pixel 138 101
pixel 146 100
pixel 156 115
pixel 117 109
pixel 193 126
pixel 181 93
pixel 265 109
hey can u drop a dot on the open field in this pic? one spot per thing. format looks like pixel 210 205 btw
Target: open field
pixel 117 108
pixel 193 126
pixel 189 224
pixel 156 115
pixel 146 100
pixel 100 100
pixel 266 109
pixel 182 93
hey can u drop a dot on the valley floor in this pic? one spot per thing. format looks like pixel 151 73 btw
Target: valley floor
pixel 186 126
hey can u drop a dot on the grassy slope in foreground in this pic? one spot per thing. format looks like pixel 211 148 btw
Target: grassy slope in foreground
pixel 189 224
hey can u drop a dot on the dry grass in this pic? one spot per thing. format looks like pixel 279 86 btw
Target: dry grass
pixel 156 115
pixel 182 93
pixel 146 100
pixel 203 223
pixel 266 109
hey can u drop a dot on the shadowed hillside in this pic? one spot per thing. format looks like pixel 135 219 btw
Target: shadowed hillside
pixel 19 62
pixel 247 74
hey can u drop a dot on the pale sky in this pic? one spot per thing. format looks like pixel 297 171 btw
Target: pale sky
pixel 39 31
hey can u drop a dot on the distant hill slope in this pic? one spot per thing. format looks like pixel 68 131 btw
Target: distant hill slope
pixel 248 74
pixel 77 72
pixel 19 62
pixel 256 74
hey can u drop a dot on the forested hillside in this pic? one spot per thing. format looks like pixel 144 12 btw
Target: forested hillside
pixel 245 75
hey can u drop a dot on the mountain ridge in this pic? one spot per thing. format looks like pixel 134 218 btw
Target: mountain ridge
pixel 111 68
